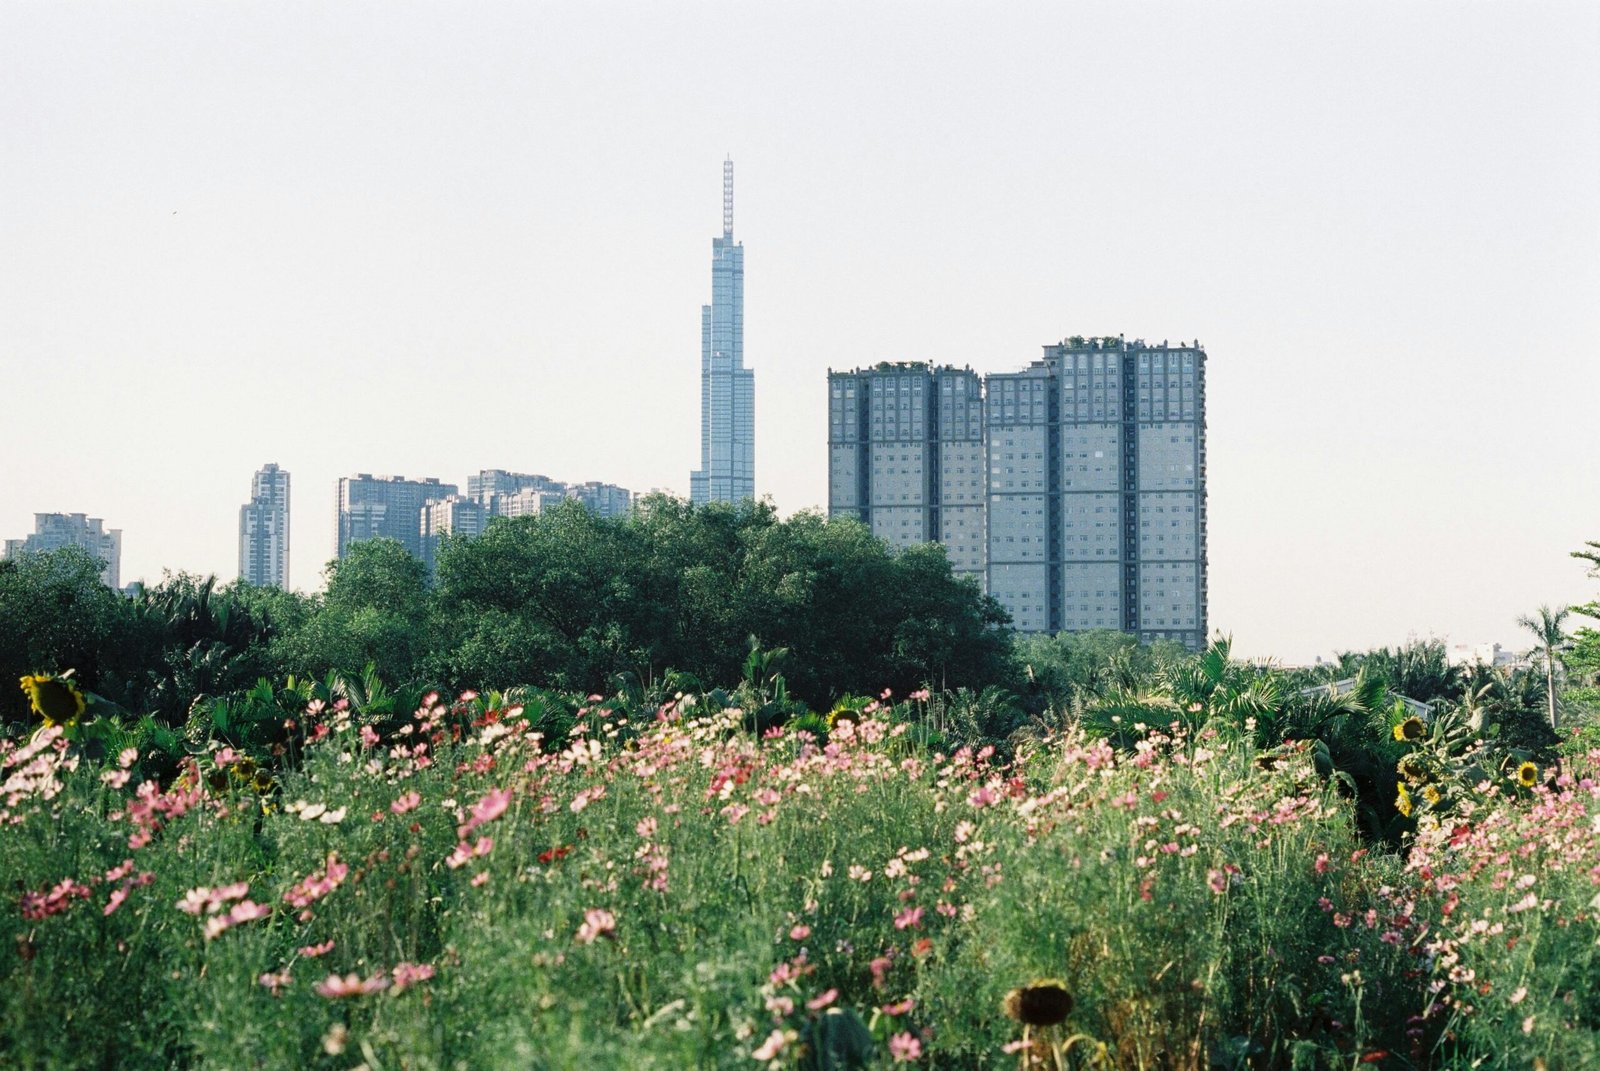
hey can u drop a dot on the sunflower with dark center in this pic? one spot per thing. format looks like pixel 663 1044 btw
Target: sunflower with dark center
pixel 1045 1002
pixel 1527 775
pixel 55 699
pixel 1411 730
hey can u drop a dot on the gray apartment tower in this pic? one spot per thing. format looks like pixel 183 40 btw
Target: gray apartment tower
pixel 905 457
pixel 385 506
pixel 727 387
pixel 52 531
pixel 1097 493
pixel 264 530
pixel 1090 507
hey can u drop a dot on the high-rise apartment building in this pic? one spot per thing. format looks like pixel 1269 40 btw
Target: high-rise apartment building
pixel 264 530
pixel 450 515
pixel 386 506
pixel 905 457
pixel 489 485
pixel 1097 497
pixel 602 499
pixel 53 531
pixel 727 387
pixel 1075 487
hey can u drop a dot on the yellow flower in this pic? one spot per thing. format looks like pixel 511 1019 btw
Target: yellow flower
pixel 55 699
pixel 1431 794
pixel 1527 775
pixel 1411 729
pixel 1045 1002
pixel 1402 801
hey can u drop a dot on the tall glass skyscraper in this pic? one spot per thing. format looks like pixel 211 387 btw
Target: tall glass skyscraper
pixel 727 387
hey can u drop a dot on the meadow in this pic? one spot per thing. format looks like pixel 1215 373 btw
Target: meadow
pixel 482 883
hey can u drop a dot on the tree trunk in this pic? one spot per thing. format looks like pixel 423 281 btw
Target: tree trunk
pixel 1550 686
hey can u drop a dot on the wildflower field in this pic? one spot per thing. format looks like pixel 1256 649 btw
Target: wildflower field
pixel 472 886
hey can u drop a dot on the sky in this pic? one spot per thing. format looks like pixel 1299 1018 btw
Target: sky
pixel 429 239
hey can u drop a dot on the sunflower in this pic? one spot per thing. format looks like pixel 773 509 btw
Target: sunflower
pixel 1044 1002
pixel 55 699
pixel 1410 730
pixel 1432 795
pixel 1413 769
pixel 1402 799
pixel 1527 775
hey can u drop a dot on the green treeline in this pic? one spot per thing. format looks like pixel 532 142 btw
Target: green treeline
pixel 669 595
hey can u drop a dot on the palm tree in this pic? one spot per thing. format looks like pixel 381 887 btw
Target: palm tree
pixel 1547 629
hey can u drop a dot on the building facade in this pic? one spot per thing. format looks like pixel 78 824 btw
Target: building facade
pixel 264 530
pixel 1097 495
pixel 370 507
pixel 1074 488
pixel 450 515
pixel 905 457
pixel 727 387
pixel 53 531
pixel 602 499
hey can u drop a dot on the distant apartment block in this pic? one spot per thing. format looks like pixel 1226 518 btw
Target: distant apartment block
pixel 1090 507
pixel 905 457
pixel 370 507
pixel 518 494
pixel 264 530
pixel 602 499
pixel 1097 493
pixel 53 531
pixel 451 515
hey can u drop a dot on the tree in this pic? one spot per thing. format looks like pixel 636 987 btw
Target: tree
pixel 56 614
pixel 1546 628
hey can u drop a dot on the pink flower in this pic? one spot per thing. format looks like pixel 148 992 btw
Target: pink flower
pixel 409 802
pixel 277 983
pixel 314 886
pixel 771 1047
pixel 479 879
pixel 597 923
pixel 127 757
pixel 910 917
pixel 800 933
pixel 313 951
pixel 903 1048
pixel 1321 865
pixel 1218 881
pixel 900 1008
pixel 920 695
pixel 492 806
pixel 117 896
pixel 823 999
pixel 334 987
pixel 407 975
pixel 243 911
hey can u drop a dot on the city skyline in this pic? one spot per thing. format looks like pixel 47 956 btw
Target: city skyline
pixel 1380 217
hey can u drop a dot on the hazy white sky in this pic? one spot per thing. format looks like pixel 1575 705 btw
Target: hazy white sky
pixel 425 239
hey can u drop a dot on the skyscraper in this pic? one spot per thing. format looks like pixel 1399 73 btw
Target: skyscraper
pixel 264 530
pixel 727 387
pixel 52 531
pixel 905 457
pixel 1097 490
pixel 387 506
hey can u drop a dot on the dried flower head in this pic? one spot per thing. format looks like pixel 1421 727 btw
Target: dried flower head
pixel 1043 1002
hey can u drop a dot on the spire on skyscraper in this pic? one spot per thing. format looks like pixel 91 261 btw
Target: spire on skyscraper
pixel 727 198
